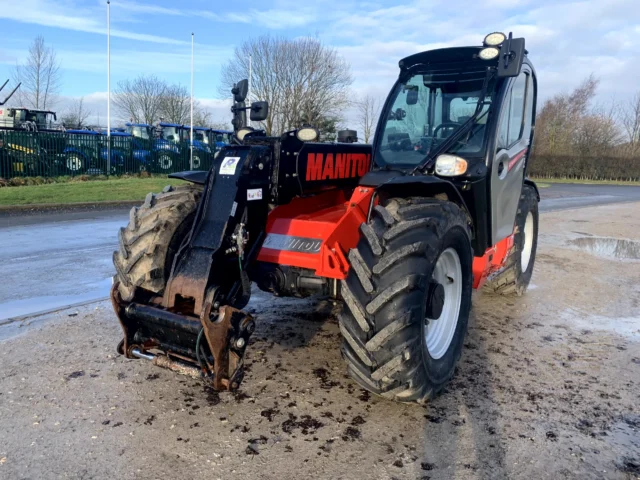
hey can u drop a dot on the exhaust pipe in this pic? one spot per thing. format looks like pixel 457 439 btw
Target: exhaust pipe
pixel 165 362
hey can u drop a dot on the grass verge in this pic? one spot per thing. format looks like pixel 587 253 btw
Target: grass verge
pixel 124 189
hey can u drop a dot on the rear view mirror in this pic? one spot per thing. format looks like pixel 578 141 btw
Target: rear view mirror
pixel 259 111
pixel 412 96
pixel 240 90
pixel 511 55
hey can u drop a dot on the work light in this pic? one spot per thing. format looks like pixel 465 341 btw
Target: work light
pixel 494 39
pixel 307 134
pixel 242 132
pixel 489 53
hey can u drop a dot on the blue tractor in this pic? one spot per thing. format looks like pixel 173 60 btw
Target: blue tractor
pixel 86 152
pixel 164 150
pixel 203 147
pixel 221 138
pixel 128 155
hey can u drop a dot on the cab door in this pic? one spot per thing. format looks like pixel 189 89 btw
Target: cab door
pixel 512 145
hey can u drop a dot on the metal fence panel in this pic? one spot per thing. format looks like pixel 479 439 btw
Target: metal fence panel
pixel 51 154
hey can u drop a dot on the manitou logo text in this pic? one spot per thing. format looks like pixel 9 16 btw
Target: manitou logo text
pixel 339 165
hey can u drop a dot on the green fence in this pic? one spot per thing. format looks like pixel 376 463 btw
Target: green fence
pixel 51 154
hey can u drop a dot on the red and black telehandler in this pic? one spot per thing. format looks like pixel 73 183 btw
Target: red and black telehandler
pixel 398 232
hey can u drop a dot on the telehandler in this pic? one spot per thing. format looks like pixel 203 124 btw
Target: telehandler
pixel 398 232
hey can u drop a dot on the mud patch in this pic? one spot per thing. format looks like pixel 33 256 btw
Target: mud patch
pixel 608 247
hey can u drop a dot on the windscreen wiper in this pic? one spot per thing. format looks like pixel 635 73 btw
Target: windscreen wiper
pixel 464 128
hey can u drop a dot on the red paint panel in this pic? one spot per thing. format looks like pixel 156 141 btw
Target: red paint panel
pixel 329 217
pixel 492 261
pixel 514 161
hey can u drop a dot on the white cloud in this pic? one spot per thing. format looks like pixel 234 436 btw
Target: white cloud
pixel 146 8
pixel 68 16
pixel 567 40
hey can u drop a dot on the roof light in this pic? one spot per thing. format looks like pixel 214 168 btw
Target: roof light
pixel 494 39
pixel 450 165
pixel 489 53
pixel 307 134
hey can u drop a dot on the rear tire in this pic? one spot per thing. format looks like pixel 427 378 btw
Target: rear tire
pixel 389 344
pixel 514 278
pixel 152 237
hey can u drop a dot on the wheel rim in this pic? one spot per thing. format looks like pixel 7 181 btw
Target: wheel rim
pixel 74 163
pixel 165 162
pixel 527 245
pixel 439 332
pixel 196 162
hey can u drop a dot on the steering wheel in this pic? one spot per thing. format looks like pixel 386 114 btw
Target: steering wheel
pixel 445 125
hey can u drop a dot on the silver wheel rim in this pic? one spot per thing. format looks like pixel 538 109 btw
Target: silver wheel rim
pixel 527 245
pixel 165 162
pixel 196 162
pixel 439 332
pixel 74 163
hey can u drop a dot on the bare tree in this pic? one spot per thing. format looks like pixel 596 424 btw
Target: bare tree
pixel 40 76
pixel 300 78
pixel 220 126
pixel 201 117
pixel 76 115
pixel 175 104
pixel 140 99
pixel 559 120
pixel 631 124
pixel 368 113
pixel 597 133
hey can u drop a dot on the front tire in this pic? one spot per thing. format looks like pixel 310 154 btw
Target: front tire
pixel 392 349
pixel 514 278
pixel 149 242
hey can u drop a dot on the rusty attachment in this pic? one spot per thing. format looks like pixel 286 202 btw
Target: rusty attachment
pixel 228 336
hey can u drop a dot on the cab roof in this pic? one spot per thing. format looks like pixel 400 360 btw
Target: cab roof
pixel 442 55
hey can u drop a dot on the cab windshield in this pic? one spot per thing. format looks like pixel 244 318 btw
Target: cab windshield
pixel 223 137
pixel 200 136
pixel 139 132
pixel 171 134
pixel 428 108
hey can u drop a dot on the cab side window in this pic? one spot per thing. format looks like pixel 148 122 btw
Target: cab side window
pixel 513 113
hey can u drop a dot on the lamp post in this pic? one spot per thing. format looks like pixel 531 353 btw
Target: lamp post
pixel 108 87
pixel 191 154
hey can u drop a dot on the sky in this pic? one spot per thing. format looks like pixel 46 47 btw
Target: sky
pixel 567 40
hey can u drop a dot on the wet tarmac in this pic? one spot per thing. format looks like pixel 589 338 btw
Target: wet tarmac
pixel 54 259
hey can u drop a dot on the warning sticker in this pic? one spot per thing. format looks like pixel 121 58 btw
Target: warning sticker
pixel 254 194
pixel 228 166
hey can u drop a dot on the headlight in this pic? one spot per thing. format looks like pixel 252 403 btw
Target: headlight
pixel 450 165
pixel 494 39
pixel 489 53
pixel 307 134
pixel 242 132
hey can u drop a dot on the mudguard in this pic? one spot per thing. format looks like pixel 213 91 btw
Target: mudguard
pixel 528 181
pixel 193 176
pixel 395 184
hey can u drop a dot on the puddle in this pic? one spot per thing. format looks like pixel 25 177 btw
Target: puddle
pixel 34 305
pixel 625 326
pixel 608 247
